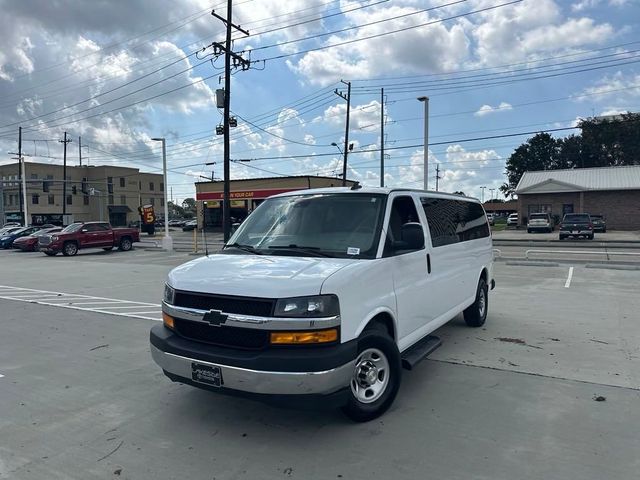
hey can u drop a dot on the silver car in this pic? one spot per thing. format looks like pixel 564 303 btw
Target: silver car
pixel 540 222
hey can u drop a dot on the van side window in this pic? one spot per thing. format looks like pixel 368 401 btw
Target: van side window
pixel 453 221
pixel 441 216
pixel 474 223
pixel 403 211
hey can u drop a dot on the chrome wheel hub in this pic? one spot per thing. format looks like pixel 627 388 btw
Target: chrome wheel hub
pixel 370 376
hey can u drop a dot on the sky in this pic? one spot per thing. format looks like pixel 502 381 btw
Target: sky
pixel 118 73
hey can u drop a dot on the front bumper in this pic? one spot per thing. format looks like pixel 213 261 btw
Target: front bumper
pixel 276 371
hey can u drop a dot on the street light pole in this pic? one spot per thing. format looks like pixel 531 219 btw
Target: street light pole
pixel 425 100
pixel 482 195
pixel 167 241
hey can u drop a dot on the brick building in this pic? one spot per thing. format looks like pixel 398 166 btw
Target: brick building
pixel 92 193
pixel 610 191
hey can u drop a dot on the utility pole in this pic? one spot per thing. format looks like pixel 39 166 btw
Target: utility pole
pixel 20 160
pixel 346 133
pixel 426 140
pixel 22 185
pixel 80 150
pixel 382 137
pixel 64 176
pixel 492 190
pixel 482 195
pixel 238 61
pixel 438 177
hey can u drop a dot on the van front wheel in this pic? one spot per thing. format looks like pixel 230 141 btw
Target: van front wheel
pixel 376 376
pixel 476 314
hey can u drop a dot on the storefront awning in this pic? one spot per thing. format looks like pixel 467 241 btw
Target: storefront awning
pixel 119 209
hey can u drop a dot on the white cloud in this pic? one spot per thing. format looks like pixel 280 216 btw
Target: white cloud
pixel 487 109
pixel 365 117
pixel 612 86
pixel 310 139
pixel 588 4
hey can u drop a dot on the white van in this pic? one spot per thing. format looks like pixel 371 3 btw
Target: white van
pixel 325 295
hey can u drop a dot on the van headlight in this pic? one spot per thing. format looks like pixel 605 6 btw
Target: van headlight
pixel 313 306
pixel 169 294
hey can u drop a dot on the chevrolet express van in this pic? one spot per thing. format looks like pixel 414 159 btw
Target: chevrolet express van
pixel 325 295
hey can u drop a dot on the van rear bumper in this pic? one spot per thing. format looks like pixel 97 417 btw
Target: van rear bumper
pixel 301 372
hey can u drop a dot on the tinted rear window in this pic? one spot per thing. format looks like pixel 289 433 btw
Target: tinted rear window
pixel 535 216
pixel 577 218
pixel 453 221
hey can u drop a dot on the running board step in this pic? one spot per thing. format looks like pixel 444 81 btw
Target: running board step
pixel 420 351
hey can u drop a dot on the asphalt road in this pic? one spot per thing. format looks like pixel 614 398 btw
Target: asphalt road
pixel 80 397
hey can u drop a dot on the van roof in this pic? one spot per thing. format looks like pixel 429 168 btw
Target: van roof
pixel 376 190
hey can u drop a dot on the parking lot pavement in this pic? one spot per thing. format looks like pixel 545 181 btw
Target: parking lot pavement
pixel 511 234
pixel 137 275
pixel 80 397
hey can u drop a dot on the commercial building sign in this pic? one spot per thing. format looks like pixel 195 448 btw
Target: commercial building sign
pixel 244 194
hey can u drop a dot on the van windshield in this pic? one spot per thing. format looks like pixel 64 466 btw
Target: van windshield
pixel 326 225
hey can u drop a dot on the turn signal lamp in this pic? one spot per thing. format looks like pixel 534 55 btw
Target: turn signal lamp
pixel 304 337
pixel 167 320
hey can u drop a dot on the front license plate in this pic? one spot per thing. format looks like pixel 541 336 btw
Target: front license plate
pixel 206 374
pixel 574 231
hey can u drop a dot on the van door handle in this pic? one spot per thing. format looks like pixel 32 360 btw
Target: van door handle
pixel 428 263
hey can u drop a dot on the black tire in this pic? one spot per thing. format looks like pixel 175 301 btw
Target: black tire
pixel 604 230
pixel 374 340
pixel 125 244
pixel 70 249
pixel 590 237
pixel 51 254
pixel 528 230
pixel 561 237
pixel 476 314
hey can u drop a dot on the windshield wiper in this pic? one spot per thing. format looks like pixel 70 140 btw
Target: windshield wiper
pixel 307 250
pixel 244 248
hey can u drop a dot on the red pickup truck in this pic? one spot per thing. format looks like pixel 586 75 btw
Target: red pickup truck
pixel 88 235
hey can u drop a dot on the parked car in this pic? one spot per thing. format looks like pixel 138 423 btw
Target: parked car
pixel 7 238
pixel 540 222
pixel 6 230
pixel 88 235
pixel 491 218
pixel 11 224
pixel 190 225
pixel 30 242
pixel 282 311
pixel 512 220
pixel 599 223
pixel 576 225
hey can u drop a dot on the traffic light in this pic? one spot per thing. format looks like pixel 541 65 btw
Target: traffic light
pixel 74 189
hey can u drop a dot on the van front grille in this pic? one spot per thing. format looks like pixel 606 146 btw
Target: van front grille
pixel 259 307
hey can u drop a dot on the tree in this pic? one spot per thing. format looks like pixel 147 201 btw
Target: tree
pixel 459 192
pixel 189 206
pixel 611 141
pixel 175 211
pixel 540 152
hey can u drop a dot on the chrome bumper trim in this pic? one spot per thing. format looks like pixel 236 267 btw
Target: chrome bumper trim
pixel 248 321
pixel 257 381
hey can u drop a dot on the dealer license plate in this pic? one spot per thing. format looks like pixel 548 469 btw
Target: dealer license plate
pixel 211 375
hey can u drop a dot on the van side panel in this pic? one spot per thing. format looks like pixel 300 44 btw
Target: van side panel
pixel 365 288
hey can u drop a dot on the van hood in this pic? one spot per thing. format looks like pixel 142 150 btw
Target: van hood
pixel 266 276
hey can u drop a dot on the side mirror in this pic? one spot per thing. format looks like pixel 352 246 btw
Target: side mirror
pixel 412 237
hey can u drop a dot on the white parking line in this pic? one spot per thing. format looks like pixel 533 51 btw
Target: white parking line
pixel 567 284
pixel 147 311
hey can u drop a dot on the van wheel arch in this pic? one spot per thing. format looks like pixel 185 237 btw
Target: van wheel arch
pixel 386 320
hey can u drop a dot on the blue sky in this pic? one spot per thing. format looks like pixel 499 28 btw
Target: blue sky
pixel 119 73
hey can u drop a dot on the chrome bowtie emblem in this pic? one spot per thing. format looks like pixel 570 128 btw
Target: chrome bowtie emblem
pixel 215 318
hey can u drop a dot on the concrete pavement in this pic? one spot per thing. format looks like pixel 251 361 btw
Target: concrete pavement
pixel 80 397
